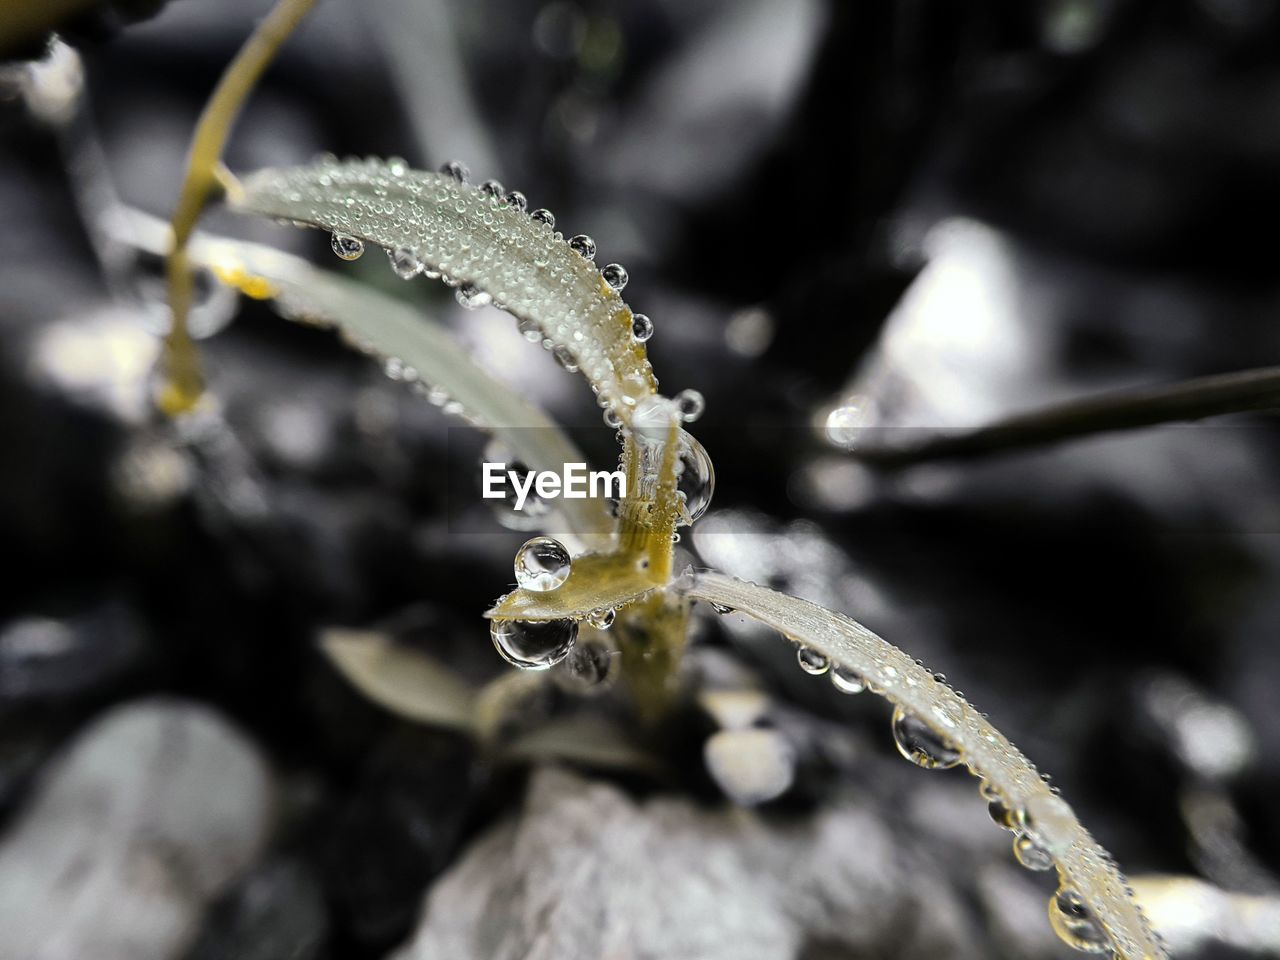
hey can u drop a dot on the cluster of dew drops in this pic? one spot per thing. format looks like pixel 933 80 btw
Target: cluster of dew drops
pixel 1069 915
pixel 543 564
pixel 406 265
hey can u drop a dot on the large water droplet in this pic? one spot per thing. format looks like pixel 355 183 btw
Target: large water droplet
pixel 542 564
pixel 918 742
pixel 492 188
pixel 697 480
pixel 517 199
pixel 472 297
pixel 812 662
pixel 1075 924
pixel 347 247
pixel 1030 855
pixel 583 245
pixel 615 275
pixel 404 264
pixel 691 404
pixel 456 169
pixel 533 644
pixel 641 328
pixel 846 680
pixel 543 215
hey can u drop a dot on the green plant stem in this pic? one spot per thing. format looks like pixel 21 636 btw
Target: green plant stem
pixel 1248 390
pixel 184 384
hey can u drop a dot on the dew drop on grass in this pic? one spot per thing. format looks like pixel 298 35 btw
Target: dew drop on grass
pixel 920 744
pixel 565 358
pixel 846 680
pixel 1031 855
pixel 472 297
pixel 533 644
pixel 542 564
pixel 543 215
pixel 691 405
pixel 615 275
pixel 404 264
pixel 812 661
pixel 603 619
pixel 492 188
pixel 583 246
pixel 517 199
pixel 641 328
pixel 457 170
pixel 346 247
pixel 722 608
pixel 1075 924
pixel 697 480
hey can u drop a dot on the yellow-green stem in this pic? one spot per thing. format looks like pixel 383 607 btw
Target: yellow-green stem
pixel 183 383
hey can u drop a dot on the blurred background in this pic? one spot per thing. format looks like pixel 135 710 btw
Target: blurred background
pixel 932 215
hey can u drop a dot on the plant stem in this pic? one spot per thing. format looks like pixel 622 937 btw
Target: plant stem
pixel 1248 390
pixel 183 383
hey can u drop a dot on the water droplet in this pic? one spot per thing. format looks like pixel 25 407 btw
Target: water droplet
pixel 397 166
pixel 583 245
pixel 690 403
pixel 543 215
pixel 846 680
pixel 722 608
pixel 611 418
pixel 812 661
pixel 542 564
pixel 1031 855
pixel 1048 820
pixel 404 264
pixel 565 358
pixel 590 667
pixel 615 275
pixel 697 480
pixel 1075 924
pixel 529 329
pixel 641 328
pixel 457 170
pixel 347 247
pixel 533 644
pixel 847 423
pixel 517 199
pixel 472 297
pixel 1001 815
pixel 603 619
pixel 920 744
pixel 492 188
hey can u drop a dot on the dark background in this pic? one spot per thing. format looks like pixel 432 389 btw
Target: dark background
pixel 773 175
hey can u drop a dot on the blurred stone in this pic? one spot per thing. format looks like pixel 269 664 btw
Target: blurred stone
pixel 585 872
pixel 140 823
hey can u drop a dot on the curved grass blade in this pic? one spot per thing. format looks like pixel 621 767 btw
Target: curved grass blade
pixel 407 682
pixel 475 239
pixel 391 328
pixel 1083 866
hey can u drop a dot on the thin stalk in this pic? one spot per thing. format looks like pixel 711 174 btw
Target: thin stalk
pixel 1248 390
pixel 183 382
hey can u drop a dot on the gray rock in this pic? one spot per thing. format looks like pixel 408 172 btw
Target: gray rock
pixel 141 822
pixel 585 872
